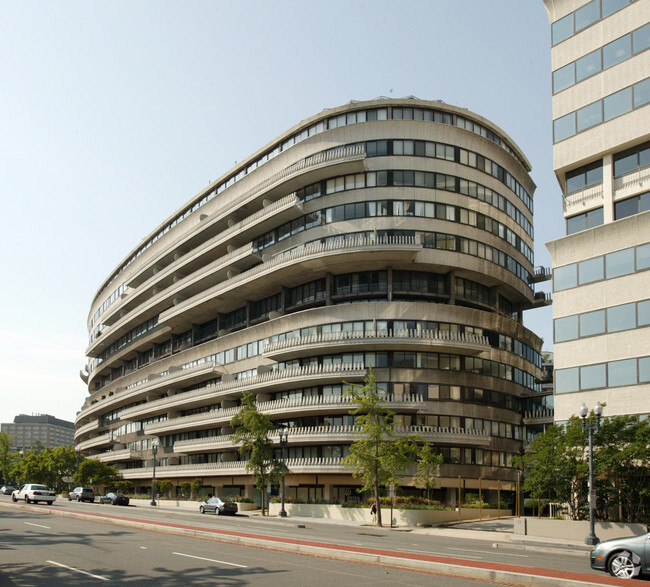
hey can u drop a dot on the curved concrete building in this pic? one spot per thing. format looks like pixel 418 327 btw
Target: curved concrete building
pixel 392 233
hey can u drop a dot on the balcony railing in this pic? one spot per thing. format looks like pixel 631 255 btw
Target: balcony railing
pixel 319 434
pixel 542 415
pixel 634 180
pixel 589 197
pixel 281 406
pixel 402 337
pixel 274 380
pixel 406 243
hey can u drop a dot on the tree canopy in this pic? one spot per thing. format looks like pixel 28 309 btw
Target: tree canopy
pixel 378 458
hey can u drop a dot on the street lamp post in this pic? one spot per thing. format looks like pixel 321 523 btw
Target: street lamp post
pixel 591 539
pixel 154 450
pixel 77 474
pixel 284 439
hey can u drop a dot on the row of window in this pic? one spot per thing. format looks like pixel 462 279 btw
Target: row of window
pixel 412 148
pixel 608 320
pixel 622 209
pixel 625 162
pixel 608 266
pixel 583 17
pixel 355 117
pixel 602 58
pixel 603 375
pixel 609 107
pixel 392 208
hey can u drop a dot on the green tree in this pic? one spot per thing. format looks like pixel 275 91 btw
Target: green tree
pixel 7 457
pixel 252 431
pixel 197 485
pixel 95 473
pixel 378 458
pixel 123 486
pixel 164 487
pixel 622 465
pixel 556 467
pixel 428 468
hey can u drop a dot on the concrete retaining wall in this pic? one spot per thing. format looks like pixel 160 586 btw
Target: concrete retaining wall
pixel 400 517
pixel 574 530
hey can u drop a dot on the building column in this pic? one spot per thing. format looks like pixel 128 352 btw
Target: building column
pixel 608 188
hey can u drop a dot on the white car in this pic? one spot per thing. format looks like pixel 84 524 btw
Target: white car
pixel 33 493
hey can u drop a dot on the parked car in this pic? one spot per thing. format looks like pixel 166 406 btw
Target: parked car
pixel 82 494
pixel 7 489
pixel 33 493
pixel 114 499
pixel 626 558
pixel 218 506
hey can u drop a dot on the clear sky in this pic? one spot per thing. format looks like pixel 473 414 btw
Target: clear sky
pixel 114 114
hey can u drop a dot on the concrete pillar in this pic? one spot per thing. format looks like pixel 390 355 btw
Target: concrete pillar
pixel 608 188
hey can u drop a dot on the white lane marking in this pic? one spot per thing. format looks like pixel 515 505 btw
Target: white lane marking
pixel 484 552
pixel 143 548
pixel 78 571
pixel 210 560
pixel 37 525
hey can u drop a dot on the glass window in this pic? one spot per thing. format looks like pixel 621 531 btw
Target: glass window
pixel 562 29
pixel 567 380
pixel 589 116
pixel 611 6
pixel 564 78
pixel 618 103
pixel 619 263
pixel 641 93
pixel 566 328
pixel 621 317
pixel 621 373
pixel 593 376
pixel 617 51
pixel 590 270
pixel 565 277
pixel 643 257
pixel 587 15
pixel 643 313
pixel 641 39
pixel 588 65
pixel 592 323
pixel 564 127
pixel 644 369
pixel 626 208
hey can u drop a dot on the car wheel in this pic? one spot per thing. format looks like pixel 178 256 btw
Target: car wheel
pixel 202 509
pixel 14 498
pixel 624 565
pixel 217 511
pixel 27 500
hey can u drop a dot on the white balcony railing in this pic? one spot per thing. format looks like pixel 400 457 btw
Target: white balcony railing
pixel 635 179
pixel 589 197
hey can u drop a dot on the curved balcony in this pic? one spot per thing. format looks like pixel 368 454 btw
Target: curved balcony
pixel 151 385
pixel 116 456
pixel 305 406
pixel 542 416
pixel 288 267
pixel 274 381
pixel 103 441
pixel 342 434
pixel 404 339
pixel 227 469
pixel 93 426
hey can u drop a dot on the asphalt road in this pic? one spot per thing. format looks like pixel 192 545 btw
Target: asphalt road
pixel 50 550
pixel 416 541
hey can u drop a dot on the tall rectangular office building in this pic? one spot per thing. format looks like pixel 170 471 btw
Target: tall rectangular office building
pixel 601 150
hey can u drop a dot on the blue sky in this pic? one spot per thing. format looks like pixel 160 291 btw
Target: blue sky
pixel 114 114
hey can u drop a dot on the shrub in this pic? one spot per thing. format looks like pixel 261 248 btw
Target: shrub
pixel 241 498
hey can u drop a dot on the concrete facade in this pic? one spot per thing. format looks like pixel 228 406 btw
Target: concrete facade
pixel 395 234
pixel 49 431
pixel 600 62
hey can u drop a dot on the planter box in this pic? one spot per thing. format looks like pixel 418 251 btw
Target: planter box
pixel 400 517
pixel 575 529
pixel 246 507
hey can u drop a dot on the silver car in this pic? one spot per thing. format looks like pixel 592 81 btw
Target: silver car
pixel 625 558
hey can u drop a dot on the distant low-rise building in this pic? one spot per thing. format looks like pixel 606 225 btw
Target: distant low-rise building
pixel 48 430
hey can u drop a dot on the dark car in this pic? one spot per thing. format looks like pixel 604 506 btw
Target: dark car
pixel 114 499
pixel 218 506
pixel 7 489
pixel 625 558
pixel 82 494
